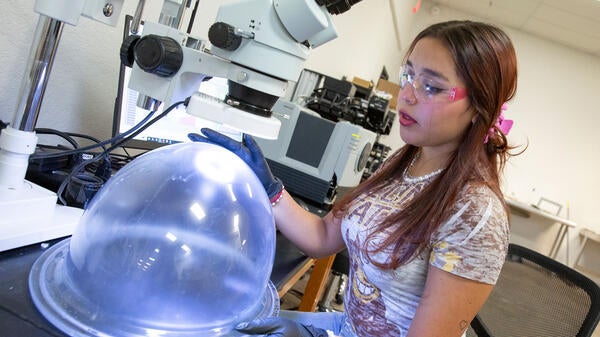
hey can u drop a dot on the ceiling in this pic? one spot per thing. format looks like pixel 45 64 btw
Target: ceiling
pixel 574 23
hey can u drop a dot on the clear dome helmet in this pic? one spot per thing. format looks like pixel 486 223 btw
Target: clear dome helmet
pixel 179 242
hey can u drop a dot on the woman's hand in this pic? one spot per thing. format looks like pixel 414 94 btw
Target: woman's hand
pixel 279 327
pixel 249 152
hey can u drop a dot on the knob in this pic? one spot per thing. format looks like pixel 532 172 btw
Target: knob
pixel 158 55
pixel 337 6
pixel 222 35
pixel 126 51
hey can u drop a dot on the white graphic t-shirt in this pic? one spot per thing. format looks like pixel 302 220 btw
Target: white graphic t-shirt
pixel 472 243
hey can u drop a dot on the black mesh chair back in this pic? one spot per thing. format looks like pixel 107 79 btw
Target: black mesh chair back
pixel 537 296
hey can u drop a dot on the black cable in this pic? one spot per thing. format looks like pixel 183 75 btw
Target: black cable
pixel 100 144
pixel 64 135
pixel 127 156
pixel 118 156
pixel 68 136
pixel 88 137
pixel 127 153
pixel 117 161
pixel 163 114
pixel 118 141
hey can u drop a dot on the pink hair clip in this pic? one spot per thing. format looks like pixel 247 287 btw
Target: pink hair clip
pixel 504 125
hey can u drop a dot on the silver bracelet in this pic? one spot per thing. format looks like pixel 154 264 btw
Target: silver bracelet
pixel 277 198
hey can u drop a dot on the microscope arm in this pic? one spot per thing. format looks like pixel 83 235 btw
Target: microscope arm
pixel 258 45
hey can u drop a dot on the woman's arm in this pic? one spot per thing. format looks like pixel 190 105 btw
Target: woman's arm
pixel 448 305
pixel 315 236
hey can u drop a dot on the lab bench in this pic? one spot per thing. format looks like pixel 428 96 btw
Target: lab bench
pixel 20 318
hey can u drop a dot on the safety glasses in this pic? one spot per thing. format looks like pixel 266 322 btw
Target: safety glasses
pixel 429 89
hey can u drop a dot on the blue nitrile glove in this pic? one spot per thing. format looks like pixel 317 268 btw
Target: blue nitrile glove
pixel 279 327
pixel 249 152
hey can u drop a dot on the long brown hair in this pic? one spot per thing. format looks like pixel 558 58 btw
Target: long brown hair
pixel 485 60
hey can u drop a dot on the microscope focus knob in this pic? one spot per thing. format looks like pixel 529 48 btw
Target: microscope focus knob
pixel 127 47
pixel 158 55
pixel 222 35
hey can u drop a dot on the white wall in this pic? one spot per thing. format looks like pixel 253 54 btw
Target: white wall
pixel 367 41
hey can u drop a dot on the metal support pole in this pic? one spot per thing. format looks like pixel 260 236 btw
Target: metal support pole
pixel 41 57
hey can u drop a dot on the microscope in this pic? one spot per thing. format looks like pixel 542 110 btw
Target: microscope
pixel 258 45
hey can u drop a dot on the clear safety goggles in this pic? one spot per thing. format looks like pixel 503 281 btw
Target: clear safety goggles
pixel 428 89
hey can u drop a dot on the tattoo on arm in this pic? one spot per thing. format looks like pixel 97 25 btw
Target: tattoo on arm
pixel 462 325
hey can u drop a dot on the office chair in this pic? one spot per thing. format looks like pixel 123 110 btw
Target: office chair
pixel 539 297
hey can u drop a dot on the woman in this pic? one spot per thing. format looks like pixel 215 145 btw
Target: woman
pixel 427 234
